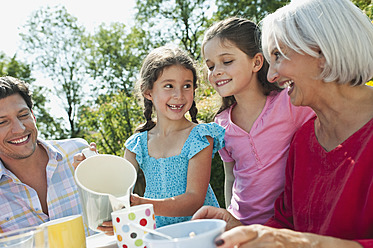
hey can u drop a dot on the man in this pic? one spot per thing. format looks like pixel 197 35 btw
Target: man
pixel 36 176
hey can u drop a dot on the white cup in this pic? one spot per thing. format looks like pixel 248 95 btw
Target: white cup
pixel 29 237
pixel 128 222
pixel 104 180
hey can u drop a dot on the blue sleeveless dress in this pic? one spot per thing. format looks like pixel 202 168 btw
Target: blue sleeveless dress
pixel 167 177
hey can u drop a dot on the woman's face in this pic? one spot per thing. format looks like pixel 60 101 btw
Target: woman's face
pixel 298 72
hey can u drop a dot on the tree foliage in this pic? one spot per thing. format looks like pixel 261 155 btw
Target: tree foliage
pixel 366 6
pixel 254 10
pixel 114 57
pixel 111 121
pixel 178 21
pixel 49 127
pixel 52 38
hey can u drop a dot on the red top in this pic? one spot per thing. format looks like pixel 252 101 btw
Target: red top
pixel 329 193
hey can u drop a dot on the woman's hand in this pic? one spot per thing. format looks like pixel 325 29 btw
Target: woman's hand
pixel 209 212
pixel 107 228
pixel 256 236
pixel 79 157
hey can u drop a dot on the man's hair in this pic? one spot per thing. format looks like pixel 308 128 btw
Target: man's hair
pixel 11 86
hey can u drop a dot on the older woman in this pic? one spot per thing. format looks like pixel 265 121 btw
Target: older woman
pixel 322 50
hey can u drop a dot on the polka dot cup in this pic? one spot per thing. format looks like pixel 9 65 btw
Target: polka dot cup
pixel 127 235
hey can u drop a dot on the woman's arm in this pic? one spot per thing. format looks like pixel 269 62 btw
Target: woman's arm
pixel 199 170
pixel 229 180
pixel 262 236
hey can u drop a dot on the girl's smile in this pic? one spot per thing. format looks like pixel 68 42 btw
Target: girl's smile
pixel 176 106
pixel 222 82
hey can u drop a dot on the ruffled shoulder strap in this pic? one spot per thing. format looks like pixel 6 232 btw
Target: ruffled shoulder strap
pixel 197 140
pixel 137 143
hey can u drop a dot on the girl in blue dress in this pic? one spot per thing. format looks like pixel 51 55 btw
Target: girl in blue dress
pixel 174 153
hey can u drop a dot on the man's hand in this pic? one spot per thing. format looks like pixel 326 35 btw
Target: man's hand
pixel 79 157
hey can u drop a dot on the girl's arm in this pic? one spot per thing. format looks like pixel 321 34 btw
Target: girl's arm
pixel 229 179
pixel 131 157
pixel 210 212
pixel 199 170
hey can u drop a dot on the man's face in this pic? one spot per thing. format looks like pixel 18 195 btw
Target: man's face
pixel 18 131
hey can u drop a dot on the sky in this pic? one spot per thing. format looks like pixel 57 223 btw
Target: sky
pixel 90 13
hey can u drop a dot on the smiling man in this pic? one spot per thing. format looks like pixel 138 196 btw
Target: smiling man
pixel 36 176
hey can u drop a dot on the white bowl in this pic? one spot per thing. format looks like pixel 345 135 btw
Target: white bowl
pixel 195 233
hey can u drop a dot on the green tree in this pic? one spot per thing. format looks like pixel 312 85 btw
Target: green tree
pixel 366 6
pixel 48 126
pixel 104 122
pixel 15 68
pixel 254 10
pixel 52 39
pixel 179 21
pixel 2 63
pixel 114 57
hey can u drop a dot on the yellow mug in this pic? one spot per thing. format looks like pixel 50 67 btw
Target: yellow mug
pixel 66 232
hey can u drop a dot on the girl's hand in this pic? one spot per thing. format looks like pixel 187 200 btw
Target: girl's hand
pixel 136 200
pixel 255 236
pixel 107 228
pixel 209 212
pixel 79 157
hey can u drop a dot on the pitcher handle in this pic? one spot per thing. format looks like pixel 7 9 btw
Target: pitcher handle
pixel 88 152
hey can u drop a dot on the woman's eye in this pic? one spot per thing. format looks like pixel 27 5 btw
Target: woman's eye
pixel 168 86
pixel 277 55
pixel 210 68
pixel 228 62
pixel 187 86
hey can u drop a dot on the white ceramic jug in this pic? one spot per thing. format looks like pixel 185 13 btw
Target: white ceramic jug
pixel 105 183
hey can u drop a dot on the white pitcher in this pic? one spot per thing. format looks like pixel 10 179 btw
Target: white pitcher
pixel 105 183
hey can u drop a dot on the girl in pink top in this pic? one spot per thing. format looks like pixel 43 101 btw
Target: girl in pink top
pixel 258 117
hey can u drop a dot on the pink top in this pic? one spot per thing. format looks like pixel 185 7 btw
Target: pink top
pixel 329 193
pixel 260 156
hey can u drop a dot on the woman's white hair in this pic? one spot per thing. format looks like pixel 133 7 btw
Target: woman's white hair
pixel 335 29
